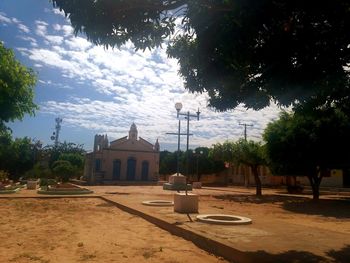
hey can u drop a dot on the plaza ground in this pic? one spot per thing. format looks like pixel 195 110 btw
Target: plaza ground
pixel 285 228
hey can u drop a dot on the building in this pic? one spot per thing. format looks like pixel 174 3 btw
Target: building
pixel 124 160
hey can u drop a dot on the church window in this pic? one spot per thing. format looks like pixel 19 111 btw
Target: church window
pixel 97 165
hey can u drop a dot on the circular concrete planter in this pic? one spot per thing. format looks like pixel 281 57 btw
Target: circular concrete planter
pixel 9 191
pixel 80 191
pixel 158 203
pixel 222 219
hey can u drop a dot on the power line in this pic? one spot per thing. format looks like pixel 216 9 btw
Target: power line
pixel 245 129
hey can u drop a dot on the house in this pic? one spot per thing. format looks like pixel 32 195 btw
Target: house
pixel 125 160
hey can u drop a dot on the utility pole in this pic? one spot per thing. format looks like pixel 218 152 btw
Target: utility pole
pixel 245 129
pixel 178 133
pixel 188 115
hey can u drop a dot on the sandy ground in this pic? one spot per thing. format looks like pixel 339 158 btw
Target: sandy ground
pixel 284 229
pixel 85 230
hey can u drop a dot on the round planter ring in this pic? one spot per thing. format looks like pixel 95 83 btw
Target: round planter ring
pixel 222 219
pixel 158 203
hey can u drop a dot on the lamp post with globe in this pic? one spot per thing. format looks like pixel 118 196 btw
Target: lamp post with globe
pixel 188 116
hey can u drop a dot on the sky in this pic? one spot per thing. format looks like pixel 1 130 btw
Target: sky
pixel 103 91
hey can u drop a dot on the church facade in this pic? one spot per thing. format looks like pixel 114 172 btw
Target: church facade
pixel 127 159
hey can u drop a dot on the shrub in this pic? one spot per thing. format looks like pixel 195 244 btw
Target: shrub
pixel 3 176
pixel 63 170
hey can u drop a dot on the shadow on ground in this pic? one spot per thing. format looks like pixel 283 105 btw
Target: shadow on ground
pixel 328 208
pixel 292 256
pixel 249 198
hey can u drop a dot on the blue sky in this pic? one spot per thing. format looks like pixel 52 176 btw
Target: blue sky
pixel 99 91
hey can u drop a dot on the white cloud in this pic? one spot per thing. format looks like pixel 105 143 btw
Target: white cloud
pixel 4 19
pixel 23 28
pixel 58 12
pixel 54 40
pixel 7 20
pixel 41 28
pixel 31 40
pixel 128 86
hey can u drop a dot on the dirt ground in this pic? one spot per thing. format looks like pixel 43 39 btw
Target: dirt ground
pixel 85 230
pixel 285 228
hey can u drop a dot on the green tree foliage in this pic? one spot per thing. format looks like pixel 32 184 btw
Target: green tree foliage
pixel 206 164
pixel 308 145
pixel 16 88
pixel 201 162
pixel 38 171
pixel 66 151
pixel 249 153
pixel 5 149
pixel 76 159
pixel 239 51
pixel 16 156
pixel 64 170
pixel 22 157
pixel 68 157
pixel 167 162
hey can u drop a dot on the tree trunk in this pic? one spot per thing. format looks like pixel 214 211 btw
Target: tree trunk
pixel 257 180
pixel 315 180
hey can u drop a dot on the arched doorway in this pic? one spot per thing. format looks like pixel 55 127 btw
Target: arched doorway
pixel 144 171
pixel 131 169
pixel 116 170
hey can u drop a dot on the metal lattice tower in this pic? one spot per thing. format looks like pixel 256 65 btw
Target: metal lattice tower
pixel 55 135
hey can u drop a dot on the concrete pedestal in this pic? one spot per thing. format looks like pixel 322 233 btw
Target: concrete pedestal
pixel 31 184
pixel 177 179
pixel 177 183
pixel 185 203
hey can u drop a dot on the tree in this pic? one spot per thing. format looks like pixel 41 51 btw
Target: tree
pixel 16 156
pixel 201 162
pixel 16 88
pixel 70 151
pixel 308 145
pixel 5 149
pixel 249 153
pixel 206 163
pixel 239 51
pixel 22 157
pixel 167 162
pixel 63 170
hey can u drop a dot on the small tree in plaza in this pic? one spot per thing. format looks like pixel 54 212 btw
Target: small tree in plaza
pixel 201 162
pixel 249 153
pixel 308 145
pixel 64 170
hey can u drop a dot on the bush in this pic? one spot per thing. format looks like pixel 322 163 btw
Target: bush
pixel 38 171
pixel 47 182
pixel 4 176
pixel 63 170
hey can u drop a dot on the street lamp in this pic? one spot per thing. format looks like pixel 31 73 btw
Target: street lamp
pixel 188 115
